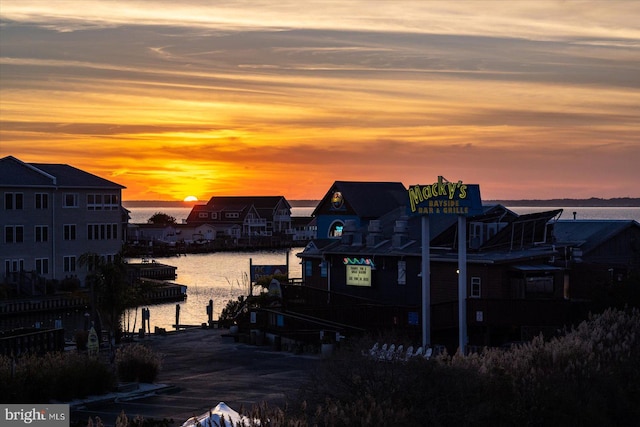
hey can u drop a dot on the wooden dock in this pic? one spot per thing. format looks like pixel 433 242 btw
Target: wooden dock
pixel 163 291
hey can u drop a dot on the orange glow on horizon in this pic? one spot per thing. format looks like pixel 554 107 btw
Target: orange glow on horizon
pixel 209 101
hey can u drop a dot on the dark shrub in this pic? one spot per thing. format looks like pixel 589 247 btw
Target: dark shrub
pixel 57 376
pixel 137 363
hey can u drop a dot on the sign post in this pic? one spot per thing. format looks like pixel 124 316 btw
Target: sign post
pixel 426 284
pixel 444 198
pixel 462 283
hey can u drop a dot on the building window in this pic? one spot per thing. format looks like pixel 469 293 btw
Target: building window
pixel 42 201
pixel 102 231
pixel 69 232
pixel 92 262
pixel 336 229
pixel 69 264
pixel 308 268
pixel 42 233
pixel 476 287
pixel 42 266
pixel 94 202
pixel 13 234
pixel 203 215
pixel 70 200
pixel 111 202
pixel 13 201
pixel 98 202
pixel 14 265
pixel 539 285
pixel 232 215
pixel 402 272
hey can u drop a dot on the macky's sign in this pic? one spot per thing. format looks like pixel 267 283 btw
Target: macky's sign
pixel 445 198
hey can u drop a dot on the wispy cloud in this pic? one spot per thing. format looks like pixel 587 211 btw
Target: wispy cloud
pixel 511 95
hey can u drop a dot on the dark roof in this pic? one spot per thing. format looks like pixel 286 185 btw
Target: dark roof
pixel 448 236
pixel 523 231
pixel 441 229
pixel 590 233
pixel 414 248
pixel 303 221
pixel 68 176
pixel 368 199
pixel 264 205
pixel 17 173
pixel 14 172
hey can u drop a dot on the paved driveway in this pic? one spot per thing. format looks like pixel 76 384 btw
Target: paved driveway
pixel 201 368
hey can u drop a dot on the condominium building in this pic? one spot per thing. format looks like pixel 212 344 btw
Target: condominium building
pixel 52 214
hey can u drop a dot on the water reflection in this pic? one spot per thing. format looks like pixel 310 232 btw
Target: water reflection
pixel 220 277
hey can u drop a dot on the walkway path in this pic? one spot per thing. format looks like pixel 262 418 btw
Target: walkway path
pixel 200 369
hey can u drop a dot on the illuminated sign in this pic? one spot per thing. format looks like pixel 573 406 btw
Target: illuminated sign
pixel 258 271
pixel 444 198
pixel 358 275
pixel 358 261
pixel 358 271
pixel 337 200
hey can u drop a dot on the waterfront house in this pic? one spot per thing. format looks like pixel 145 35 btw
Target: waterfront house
pixel 368 258
pixel 304 229
pixel 51 214
pixel 246 220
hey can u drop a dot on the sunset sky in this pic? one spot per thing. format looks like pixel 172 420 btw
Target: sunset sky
pixel 529 99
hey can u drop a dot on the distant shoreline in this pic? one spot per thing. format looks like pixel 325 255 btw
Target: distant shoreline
pixel 594 202
pixel 619 202
pixel 180 204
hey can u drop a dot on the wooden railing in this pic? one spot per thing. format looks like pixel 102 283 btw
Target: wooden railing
pixel 18 342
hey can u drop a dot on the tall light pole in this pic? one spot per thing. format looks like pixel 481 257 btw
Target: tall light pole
pixel 426 284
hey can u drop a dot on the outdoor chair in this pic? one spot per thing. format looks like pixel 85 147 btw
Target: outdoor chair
pixel 409 353
pixel 390 352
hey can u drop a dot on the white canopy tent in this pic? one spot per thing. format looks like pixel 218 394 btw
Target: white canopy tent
pixel 213 417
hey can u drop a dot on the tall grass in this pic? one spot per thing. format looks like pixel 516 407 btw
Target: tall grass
pixel 589 376
pixel 137 363
pixel 53 376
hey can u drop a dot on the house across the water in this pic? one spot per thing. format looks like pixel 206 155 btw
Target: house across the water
pixel 229 222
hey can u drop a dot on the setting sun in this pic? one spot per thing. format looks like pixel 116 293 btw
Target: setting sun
pixel 191 199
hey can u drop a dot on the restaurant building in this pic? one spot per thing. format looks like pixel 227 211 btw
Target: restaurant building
pixel 522 273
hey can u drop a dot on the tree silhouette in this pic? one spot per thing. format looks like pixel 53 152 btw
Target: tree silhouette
pixel 111 292
pixel 161 218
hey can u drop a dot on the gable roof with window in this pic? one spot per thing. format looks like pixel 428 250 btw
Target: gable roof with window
pixel 367 200
pixel 218 208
